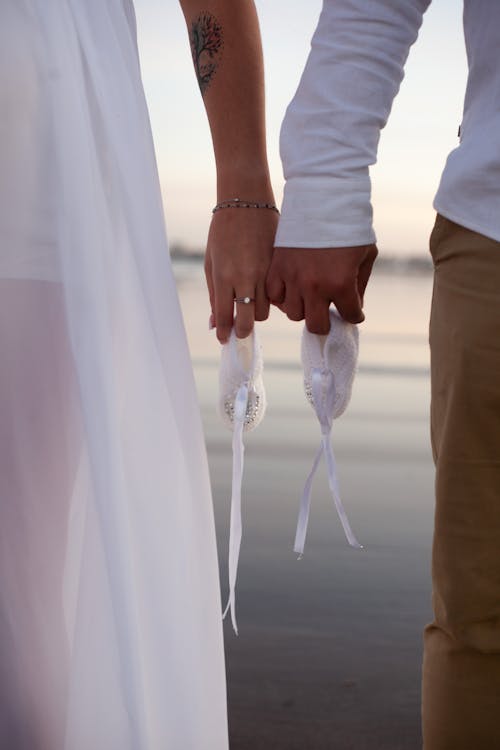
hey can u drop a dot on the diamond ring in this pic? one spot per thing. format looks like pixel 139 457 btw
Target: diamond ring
pixel 244 300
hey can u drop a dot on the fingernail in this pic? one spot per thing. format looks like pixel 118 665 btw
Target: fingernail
pixel 211 323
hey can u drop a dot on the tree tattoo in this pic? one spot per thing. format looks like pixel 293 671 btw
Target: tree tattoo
pixel 206 47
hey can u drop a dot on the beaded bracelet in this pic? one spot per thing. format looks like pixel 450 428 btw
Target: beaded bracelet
pixel 239 203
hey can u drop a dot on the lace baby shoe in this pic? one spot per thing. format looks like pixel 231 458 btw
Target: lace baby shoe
pixel 329 367
pixel 241 368
pixel 242 404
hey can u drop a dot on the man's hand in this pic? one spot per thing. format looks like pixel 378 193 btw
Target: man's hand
pixel 303 282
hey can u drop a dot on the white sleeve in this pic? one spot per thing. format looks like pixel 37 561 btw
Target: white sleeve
pixel 331 130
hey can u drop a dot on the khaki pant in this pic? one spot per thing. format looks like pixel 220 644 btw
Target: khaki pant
pixel 461 670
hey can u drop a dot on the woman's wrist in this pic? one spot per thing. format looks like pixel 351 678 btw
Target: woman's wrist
pixel 250 184
pixel 243 203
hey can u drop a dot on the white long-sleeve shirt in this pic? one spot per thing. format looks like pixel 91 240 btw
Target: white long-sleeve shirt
pixel 331 130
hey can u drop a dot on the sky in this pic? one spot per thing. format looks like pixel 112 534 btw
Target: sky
pixel 421 131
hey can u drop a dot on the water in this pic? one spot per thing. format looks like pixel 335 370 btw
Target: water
pixel 329 649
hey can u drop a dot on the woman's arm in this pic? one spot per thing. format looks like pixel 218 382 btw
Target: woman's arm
pixel 227 56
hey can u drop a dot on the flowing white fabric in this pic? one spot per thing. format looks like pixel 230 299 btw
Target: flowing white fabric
pixel 110 631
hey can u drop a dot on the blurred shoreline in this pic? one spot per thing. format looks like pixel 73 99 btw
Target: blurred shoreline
pixel 418 263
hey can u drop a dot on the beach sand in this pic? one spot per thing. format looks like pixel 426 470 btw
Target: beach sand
pixel 329 651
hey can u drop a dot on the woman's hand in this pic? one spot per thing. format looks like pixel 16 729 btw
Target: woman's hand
pixel 238 256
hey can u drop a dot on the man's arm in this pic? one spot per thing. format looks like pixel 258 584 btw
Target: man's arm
pixel 329 139
pixel 227 56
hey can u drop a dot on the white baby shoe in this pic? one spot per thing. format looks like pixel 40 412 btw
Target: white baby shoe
pixel 242 404
pixel 334 355
pixel 240 372
pixel 329 367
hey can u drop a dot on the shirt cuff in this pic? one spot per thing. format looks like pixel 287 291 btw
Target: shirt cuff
pixel 326 212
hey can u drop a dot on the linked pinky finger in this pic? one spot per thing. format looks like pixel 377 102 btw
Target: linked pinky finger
pixel 262 303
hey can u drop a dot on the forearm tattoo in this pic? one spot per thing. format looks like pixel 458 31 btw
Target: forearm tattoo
pixel 206 40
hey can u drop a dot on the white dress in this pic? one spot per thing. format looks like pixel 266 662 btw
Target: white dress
pixel 110 612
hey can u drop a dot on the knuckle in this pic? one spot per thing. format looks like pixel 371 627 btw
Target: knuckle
pixel 318 328
pixel 262 315
pixel 353 316
pixel 312 284
pixel 223 276
pixel 318 321
pixel 340 283
pixel 274 292
pixel 295 316
pixel 224 316
pixel 322 328
pixel 223 333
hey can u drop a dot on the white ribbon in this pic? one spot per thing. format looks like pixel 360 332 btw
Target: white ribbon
pixel 235 532
pixel 323 393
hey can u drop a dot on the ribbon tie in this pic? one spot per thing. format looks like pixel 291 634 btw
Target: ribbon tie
pixel 235 531
pixel 323 394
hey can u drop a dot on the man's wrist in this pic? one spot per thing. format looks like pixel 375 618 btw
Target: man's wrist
pixel 326 212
